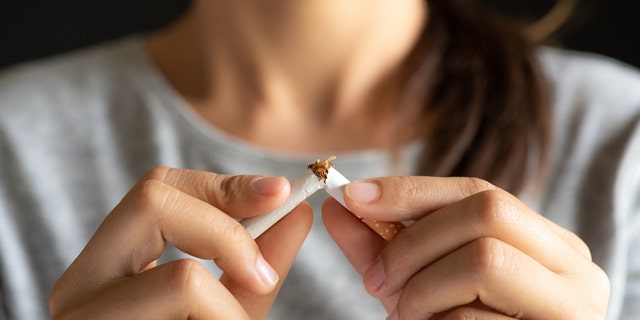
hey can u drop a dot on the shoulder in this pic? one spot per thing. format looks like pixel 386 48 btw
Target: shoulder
pixel 595 104
pixel 67 92
pixel 102 56
pixel 595 97
pixel 585 67
pixel 69 77
pixel 591 80
pixel 64 105
pixel 595 177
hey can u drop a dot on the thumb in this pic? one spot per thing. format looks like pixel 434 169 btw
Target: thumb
pixel 279 246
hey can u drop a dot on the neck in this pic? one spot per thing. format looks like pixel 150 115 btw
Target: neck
pixel 303 60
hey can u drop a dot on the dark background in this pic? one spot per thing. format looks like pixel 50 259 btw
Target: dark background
pixel 31 29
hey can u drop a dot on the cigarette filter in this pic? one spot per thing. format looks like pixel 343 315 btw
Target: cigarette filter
pixel 335 183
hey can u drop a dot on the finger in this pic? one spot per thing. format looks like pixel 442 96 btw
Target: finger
pixel 359 243
pixel 475 311
pixel 498 275
pixel 153 213
pixel 570 238
pixel 279 245
pixel 181 289
pixel 410 197
pixel 494 214
pixel 239 196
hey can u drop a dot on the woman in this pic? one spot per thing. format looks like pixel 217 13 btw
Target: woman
pixel 247 93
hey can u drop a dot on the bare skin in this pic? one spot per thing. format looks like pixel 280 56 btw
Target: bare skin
pixel 312 67
pixel 316 68
pixel 117 277
pixel 474 252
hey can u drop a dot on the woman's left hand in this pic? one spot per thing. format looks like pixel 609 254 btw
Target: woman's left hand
pixel 474 252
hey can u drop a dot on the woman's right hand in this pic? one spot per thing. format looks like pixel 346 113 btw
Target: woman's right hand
pixel 116 276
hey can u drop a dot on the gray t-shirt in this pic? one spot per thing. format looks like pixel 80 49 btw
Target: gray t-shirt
pixel 77 131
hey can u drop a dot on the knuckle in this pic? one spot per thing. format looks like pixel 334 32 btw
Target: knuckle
pixel 151 200
pixel 149 196
pixel 157 173
pixel 473 185
pixel 489 257
pixel 224 188
pixel 187 277
pixel 495 208
pixel 237 235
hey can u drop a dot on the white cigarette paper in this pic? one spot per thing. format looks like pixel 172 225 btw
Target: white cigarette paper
pixel 301 188
pixel 321 174
pixel 334 185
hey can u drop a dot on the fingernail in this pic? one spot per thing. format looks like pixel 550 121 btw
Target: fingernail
pixel 266 273
pixel 268 185
pixel 393 315
pixel 374 277
pixel 363 192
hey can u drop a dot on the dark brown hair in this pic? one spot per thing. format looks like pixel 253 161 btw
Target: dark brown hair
pixel 477 75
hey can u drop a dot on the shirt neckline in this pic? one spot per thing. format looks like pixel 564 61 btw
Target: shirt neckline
pixel 213 141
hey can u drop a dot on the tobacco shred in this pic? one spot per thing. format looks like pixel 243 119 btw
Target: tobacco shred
pixel 321 168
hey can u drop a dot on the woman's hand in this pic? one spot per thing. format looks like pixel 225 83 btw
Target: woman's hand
pixel 474 252
pixel 116 276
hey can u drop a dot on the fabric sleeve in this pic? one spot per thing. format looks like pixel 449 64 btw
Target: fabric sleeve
pixel 629 200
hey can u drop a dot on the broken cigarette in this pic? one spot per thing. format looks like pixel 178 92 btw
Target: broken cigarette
pixel 301 188
pixel 334 183
pixel 321 174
